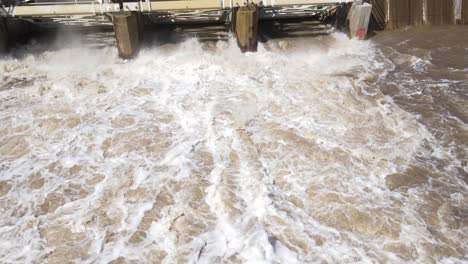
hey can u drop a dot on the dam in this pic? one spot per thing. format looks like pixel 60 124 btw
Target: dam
pixel 316 148
pixel 130 17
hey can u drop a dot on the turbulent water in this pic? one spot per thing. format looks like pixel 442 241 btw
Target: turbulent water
pixel 312 150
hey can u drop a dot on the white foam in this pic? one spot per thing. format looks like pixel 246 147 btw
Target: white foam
pixel 277 124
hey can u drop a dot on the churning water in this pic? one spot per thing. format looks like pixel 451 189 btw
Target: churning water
pixel 312 150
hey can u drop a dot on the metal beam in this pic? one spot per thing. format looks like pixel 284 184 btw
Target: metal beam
pixel 98 8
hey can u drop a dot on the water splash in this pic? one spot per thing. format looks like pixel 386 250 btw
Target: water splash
pixel 199 153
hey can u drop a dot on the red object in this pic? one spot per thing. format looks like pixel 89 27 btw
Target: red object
pixel 361 33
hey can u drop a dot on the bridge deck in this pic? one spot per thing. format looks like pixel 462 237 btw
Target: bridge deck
pixel 103 7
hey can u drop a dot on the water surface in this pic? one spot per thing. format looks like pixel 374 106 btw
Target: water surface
pixel 312 150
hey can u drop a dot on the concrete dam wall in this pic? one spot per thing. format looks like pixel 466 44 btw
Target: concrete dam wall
pixel 464 12
pixel 393 14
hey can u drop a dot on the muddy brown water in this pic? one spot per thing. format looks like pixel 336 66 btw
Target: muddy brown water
pixel 315 149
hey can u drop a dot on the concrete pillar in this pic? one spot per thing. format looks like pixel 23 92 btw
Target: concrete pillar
pixel 464 12
pixel 3 36
pixel 247 27
pixel 439 12
pixel 402 13
pixel 127 33
pixel 358 19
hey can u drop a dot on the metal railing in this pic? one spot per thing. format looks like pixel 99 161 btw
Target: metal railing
pixel 77 8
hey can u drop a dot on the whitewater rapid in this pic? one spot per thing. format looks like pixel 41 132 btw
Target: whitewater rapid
pixel 197 153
